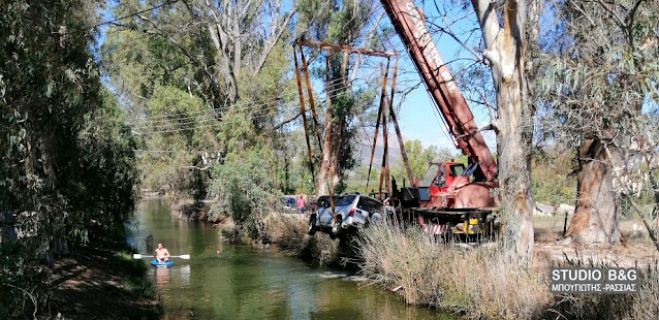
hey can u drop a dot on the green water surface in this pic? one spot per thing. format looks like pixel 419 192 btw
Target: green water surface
pixel 249 283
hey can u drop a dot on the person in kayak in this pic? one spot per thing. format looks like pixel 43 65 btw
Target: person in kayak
pixel 162 254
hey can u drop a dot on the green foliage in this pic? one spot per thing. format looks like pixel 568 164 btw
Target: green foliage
pixel 419 158
pixel 66 167
pixel 552 177
pixel 133 274
pixel 182 126
pixel 597 74
pixel 347 22
pixel 356 181
pixel 245 184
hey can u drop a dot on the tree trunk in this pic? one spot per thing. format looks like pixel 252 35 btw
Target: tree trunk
pixel 514 159
pixel 506 53
pixel 328 176
pixel 595 219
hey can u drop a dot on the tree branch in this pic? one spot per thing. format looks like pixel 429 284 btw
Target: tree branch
pixel 282 124
pixel 487 18
pixel 614 14
pixel 268 48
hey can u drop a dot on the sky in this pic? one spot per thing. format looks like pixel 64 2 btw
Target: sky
pixel 418 118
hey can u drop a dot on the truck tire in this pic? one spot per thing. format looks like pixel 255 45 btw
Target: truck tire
pixel 312 225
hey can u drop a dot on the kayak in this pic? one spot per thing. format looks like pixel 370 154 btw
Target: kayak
pixel 162 264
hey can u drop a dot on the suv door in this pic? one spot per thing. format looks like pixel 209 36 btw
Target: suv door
pixel 369 206
pixel 325 212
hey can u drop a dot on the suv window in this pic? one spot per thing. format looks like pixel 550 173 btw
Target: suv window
pixel 369 205
pixel 346 200
pixel 323 202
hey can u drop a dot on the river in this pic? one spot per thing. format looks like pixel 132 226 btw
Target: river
pixel 244 282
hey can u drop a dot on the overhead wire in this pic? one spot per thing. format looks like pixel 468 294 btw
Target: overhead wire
pixel 186 126
pixel 278 98
pixel 203 125
pixel 164 118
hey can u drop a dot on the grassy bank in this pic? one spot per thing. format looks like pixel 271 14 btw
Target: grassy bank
pixel 483 282
pixel 289 233
pixel 101 284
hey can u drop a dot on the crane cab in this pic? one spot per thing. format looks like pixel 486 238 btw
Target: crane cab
pixel 441 175
pixel 442 179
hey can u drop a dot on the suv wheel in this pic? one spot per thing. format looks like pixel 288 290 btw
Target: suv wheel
pixel 336 226
pixel 376 218
pixel 312 224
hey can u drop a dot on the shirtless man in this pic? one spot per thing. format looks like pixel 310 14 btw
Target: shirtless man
pixel 161 253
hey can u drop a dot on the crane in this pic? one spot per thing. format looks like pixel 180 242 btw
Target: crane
pixel 449 193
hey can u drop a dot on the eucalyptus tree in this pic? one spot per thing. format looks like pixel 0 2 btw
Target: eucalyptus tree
pixel 351 23
pixel 185 67
pixel 508 29
pixel 601 69
pixel 66 163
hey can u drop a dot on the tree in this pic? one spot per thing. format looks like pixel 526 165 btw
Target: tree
pixel 505 51
pixel 420 158
pixel 343 23
pixel 601 67
pixel 66 167
pixel 188 69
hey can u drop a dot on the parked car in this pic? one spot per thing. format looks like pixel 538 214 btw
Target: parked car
pixel 353 211
pixel 289 204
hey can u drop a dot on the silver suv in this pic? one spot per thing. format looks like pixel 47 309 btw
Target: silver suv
pixel 353 211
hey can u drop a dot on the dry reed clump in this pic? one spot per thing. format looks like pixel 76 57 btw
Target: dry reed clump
pixel 290 233
pixel 481 282
pixel 287 231
pixel 322 250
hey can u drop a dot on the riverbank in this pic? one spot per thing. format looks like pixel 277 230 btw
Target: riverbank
pixel 101 284
pixel 483 283
pixel 289 233
pixel 470 282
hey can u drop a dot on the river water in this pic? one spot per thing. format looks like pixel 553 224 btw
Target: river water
pixel 249 283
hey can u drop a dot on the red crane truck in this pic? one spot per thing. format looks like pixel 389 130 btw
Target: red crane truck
pixel 451 197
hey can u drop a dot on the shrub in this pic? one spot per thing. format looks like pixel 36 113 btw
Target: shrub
pixel 245 187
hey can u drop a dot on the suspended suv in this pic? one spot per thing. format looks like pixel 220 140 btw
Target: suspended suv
pixel 353 211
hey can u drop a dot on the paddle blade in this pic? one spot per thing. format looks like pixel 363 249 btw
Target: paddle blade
pixel 137 256
pixel 185 257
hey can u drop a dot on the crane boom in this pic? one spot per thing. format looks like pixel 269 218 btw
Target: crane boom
pixel 410 26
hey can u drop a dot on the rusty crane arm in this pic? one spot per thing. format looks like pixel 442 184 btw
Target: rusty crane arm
pixel 410 26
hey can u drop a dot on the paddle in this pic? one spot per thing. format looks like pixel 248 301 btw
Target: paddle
pixel 140 256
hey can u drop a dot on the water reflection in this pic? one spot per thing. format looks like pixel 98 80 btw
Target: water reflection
pixel 181 272
pixel 247 283
pixel 162 276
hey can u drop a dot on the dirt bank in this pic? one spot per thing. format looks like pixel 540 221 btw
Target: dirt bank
pixel 100 284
